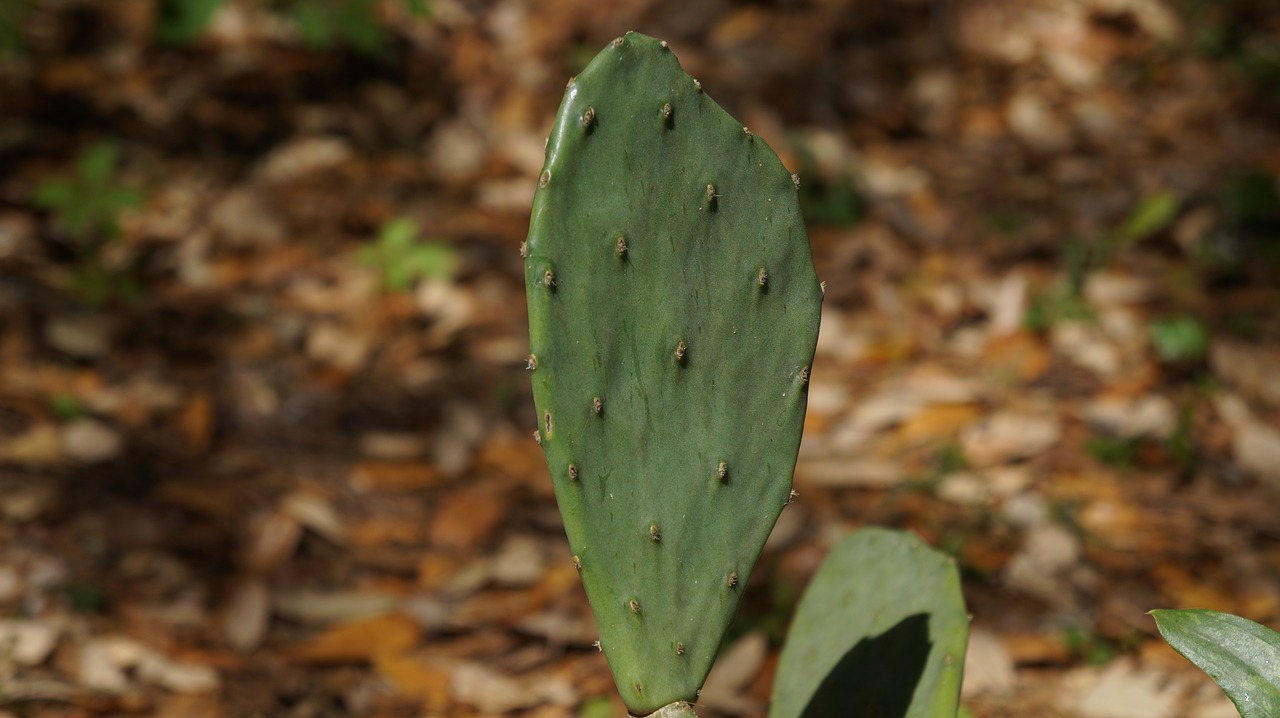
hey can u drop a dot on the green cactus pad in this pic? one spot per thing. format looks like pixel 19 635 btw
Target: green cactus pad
pixel 881 631
pixel 673 314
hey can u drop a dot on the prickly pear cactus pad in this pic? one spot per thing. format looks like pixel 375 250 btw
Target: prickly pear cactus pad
pixel 673 313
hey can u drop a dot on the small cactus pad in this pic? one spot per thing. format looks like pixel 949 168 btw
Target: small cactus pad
pixel 881 631
pixel 673 310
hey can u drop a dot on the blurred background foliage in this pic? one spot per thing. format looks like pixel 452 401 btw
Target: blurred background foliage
pixel 262 335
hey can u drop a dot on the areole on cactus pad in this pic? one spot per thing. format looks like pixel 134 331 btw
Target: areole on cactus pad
pixel 673 315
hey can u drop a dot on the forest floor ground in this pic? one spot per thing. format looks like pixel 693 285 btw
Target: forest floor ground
pixel 264 421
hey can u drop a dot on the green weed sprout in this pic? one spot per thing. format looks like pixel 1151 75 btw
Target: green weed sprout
pixel 86 206
pixel 402 259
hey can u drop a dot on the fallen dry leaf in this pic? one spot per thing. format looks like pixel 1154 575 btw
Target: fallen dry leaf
pixel 26 503
pixel 392 446
pixel 38 446
pixel 1039 567
pixel 384 531
pixel 176 676
pixel 28 642
pixel 103 661
pixel 937 422
pixel 357 641
pixel 317 514
pixel 248 610
pixel 82 335
pixel 519 562
pixel 1248 369
pixel 988 666
pixel 190 705
pixel 736 666
pixel 1026 648
pixel 106 664
pixel 90 441
pixel 429 683
pixel 1125 690
pixel 865 473
pixel 303 158
pixel 1256 445
pixel 339 346
pixel 513 456
pixel 489 691
pixel 466 518
pixel 1009 435
pixel 321 607
pixel 202 497
pixel 273 538
pixel 392 476
pixel 1151 415
pixel 1087 347
pixel 569 626
pixel 1021 356
pixel 197 421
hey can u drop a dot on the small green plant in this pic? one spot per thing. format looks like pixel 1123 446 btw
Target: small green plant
pixel 354 23
pixel 597 708
pixel 1181 444
pixel 1006 221
pixel 1065 299
pixel 1179 339
pixel 1252 203
pixel 66 406
pixel 87 203
pixel 1252 198
pixel 950 459
pixel 13 14
pixel 1240 655
pixel 85 597
pixel 834 201
pixel 1057 304
pixel 181 22
pixel 321 24
pixel 1090 646
pixel 673 318
pixel 86 206
pixel 1228 31
pixel 1154 214
pixel 1116 451
pixel 403 259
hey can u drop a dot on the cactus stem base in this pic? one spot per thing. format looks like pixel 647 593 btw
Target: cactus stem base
pixel 679 709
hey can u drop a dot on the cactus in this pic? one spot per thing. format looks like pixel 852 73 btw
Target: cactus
pixel 881 631
pixel 673 315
